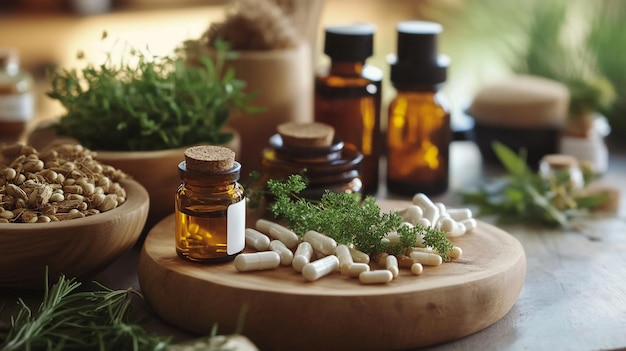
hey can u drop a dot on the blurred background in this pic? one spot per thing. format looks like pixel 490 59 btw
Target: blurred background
pixel 486 39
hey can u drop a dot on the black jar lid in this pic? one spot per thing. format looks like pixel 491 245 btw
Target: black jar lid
pixel 349 42
pixel 417 60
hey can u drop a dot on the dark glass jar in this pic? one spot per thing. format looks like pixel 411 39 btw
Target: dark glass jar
pixel 210 214
pixel 335 168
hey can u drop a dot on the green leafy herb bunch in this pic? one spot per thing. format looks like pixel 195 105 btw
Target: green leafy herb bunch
pixel 349 220
pixel 149 102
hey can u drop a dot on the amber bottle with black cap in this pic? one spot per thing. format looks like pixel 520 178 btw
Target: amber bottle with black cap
pixel 348 94
pixel 418 128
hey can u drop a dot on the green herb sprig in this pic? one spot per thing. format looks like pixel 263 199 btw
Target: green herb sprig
pixel 524 195
pixel 348 220
pixel 69 318
pixel 149 102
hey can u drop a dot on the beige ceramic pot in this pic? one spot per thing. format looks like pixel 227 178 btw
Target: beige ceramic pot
pixel 283 83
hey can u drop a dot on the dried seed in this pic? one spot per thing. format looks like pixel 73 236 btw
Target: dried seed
pixel 6 214
pixel 109 203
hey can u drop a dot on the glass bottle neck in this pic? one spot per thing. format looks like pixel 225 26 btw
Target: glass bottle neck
pixel 418 88
pixel 346 68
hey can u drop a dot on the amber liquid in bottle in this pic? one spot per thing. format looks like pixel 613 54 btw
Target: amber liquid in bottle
pixel 418 138
pixel 348 98
pixel 210 217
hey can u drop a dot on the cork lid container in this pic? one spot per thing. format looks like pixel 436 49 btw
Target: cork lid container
pixel 306 135
pixel 521 101
pixel 209 159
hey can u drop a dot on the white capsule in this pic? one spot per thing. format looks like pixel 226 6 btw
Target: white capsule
pixel 359 256
pixel 286 256
pixel 356 269
pixel 426 258
pixel 317 269
pixel 392 237
pixel 424 222
pixel 412 213
pixel 320 242
pixel 257 261
pixel 417 268
pixel 431 211
pixel 469 223
pixel 391 263
pixel 459 214
pixel 345 259
pixel 278 232
pixel 456 252
pixel 257 240
pixel 379 276
pixel 302 256
pixel 451 227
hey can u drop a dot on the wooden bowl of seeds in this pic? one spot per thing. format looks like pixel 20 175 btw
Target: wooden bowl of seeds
pixel 97 219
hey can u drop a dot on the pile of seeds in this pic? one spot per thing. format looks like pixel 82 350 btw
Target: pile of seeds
pixel 60 183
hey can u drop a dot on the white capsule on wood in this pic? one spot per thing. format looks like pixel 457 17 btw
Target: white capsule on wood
pixel 286 256
pixel 417 268
pixel 379 276
pixel 459 214
pixel 302 256
pixel 426 258
pixel 320 242
pixel 391 263
pixel 319 268
pixel 356 269
pixel 359 256
pixel 256 239
pixel 431 211
pixel 278 232
pixel 345 259
pixel 257 261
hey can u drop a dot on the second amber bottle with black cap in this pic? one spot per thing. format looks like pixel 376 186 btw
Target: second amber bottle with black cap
pixel 418 128
pixel 348 94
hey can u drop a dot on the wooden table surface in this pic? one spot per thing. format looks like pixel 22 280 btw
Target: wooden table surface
pixel 574 295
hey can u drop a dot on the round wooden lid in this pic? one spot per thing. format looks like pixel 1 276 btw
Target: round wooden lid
pixel 521 101
pixel 209 158
pixel 312 134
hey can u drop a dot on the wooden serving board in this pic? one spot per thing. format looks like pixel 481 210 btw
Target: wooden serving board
pixel 285 312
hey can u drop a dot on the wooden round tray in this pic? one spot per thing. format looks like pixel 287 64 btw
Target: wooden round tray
pixel 285 312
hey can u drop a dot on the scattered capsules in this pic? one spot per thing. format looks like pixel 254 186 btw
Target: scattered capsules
pixel 316 255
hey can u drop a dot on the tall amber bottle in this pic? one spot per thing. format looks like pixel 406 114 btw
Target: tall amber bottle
pixel 418 129
pixel 348 95
pixel 210 206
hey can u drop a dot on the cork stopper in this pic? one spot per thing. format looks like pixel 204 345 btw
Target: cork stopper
pixel 209 158
pixel 303 135
pixel 560 161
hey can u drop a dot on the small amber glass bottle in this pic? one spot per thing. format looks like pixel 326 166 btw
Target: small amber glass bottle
pixel 210 206
pixel 348 95
pixel 418 128
pixel 17 102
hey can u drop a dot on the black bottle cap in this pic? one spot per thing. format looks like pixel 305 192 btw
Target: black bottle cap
pixel 349 42
pixel 417 60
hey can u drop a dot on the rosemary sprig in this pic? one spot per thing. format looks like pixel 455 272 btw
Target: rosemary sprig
pixel 72 319
pixel 348 220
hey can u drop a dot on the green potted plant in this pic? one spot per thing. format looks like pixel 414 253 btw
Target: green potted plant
pixel 139 114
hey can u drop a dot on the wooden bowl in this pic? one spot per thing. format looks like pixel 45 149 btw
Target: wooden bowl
pixel 76 248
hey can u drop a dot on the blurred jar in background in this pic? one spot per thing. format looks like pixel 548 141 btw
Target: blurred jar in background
pixel 17 101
